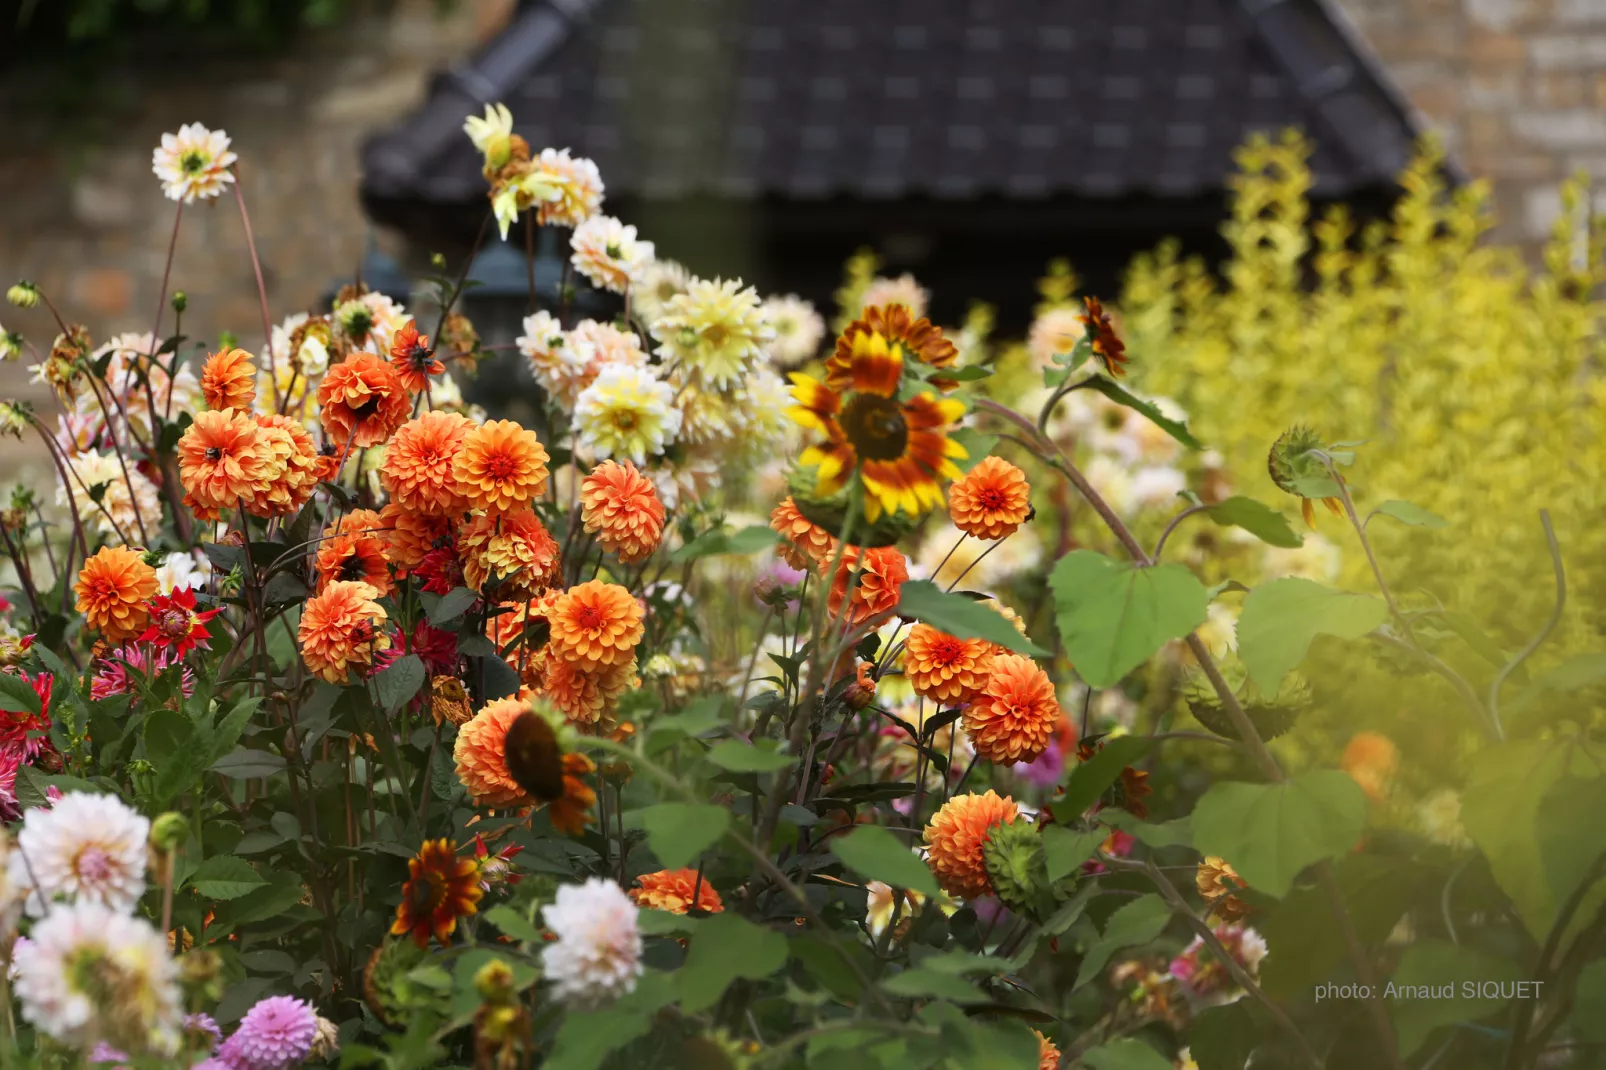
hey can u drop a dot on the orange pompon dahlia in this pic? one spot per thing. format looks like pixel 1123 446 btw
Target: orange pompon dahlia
pixel 1048 1053
pixel 678 891
pixel 898 446
pixel 1107 345
pixel 922 338
pixel 991 500
pixel 512 552
pixel 882 572
pixel 584 695
pixel 355 549
pixel 113 590
pixel 806 545
pixel 409 535
pixel 621 507
pixel 596 624
pixel 291 471
pixel 571 811
pixel 413 359
pixel 362 401
pixel 947 670
pixel 441 887
pixel 417 470
pixel 956 836
pixel 1014 716
pixel 481 755
pixel 342 626
pixel 222 458
pixel 500 466
pixel 228 380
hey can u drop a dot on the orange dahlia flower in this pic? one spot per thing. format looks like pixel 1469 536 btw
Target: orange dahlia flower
pixel 413 359
pixel 1014 716
pixel 500 466
pixel 341 626
pixel 222 458
pixel 991 500
pixel 571 812
pixel 596 624
pixel 584 693
pixel 113 590
pixel 1371 758
pixel 481 755
pixel 678 891
pixel 228 380
pixel 920 337
pixel 514 547
pixel 292 469
pixel 882 574
pixel 947 670
pixel 355 550
pixel 805 544
pixel 1048 1055
pixel 409 535
pixel 1217 881
pixel 417 470
pixel 621 507
pixel 520 634
pixel 441 887
pixel 955 839
pixel 362 401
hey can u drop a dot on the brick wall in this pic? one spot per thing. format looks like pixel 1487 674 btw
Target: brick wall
pixel 89 224
pixel 1517 88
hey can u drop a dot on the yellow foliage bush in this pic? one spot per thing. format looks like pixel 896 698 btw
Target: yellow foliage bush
pixel 1473 379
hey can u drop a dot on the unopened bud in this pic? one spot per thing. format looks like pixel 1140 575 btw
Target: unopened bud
pixel 24 294
pixel 227 340
pixel 494 982
pixel 169 831
pixel 181 301
pixel 861 692
pixel 437 261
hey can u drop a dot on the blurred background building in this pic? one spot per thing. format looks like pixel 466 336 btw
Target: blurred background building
pixel 966 141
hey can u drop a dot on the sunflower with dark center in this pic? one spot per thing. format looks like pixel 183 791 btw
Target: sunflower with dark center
pixel 899 447
pixel 441 887
pixel 175 625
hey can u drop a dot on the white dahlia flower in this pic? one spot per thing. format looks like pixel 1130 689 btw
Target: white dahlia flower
pixel 597 954
pixel 193 163
pixel 85 848
pixel 608 253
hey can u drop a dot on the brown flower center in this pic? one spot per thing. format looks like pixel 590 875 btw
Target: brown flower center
pixel 875 427
pixel 213 453
pixel 352 568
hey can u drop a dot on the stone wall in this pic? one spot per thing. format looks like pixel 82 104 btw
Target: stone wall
pixel 87 220
pixel 1517 88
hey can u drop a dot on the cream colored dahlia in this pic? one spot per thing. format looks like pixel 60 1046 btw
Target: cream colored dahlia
pixel 798 329
pixel 714 331
pixel 579 186
pixel 626 414
pixel 194 163
pixel 100 476
pixel 608 253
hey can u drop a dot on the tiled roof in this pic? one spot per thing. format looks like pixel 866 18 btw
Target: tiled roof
pixel 875 99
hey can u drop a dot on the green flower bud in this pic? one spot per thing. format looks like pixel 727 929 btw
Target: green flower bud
pixel 494 982
pixel 10 345
pixel 169 831
pixel 1017 866
pixel 227 340
pixel 181 301
pixel 24 294
pixel 437 261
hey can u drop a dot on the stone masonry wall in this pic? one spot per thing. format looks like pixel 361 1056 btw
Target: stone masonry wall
pixel 1517 88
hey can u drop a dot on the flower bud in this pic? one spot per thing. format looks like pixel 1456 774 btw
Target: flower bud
pixel 861 692
pixel 494 982
pixel 24 294
pixel 437 261
pixel 169 831
pixel 181 301
pixel 1017 866
pixel 10 345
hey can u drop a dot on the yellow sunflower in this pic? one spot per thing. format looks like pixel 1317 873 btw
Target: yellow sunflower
pixel 899 446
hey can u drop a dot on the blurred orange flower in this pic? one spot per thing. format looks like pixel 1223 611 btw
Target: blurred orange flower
pixel 676 890
pixel 228 380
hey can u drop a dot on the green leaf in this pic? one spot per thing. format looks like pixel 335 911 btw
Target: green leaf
pixel 978 447
pixel 241 763
pixel 1136 923
pixel 749 540
pixel 1174 833
pixel 726 946
pixel 874 853
pixel 17 695
pixel 1257 518
pixel 1574 674
pixel 1090 779
pixel 1570 832
pixel 281 893
pixel 827 966
pixel 1269 832
pixel 1414 515
pixel 1064 851
pixel 1428 989
pixel 679 832
pixel 1113 617
pixel 931 984
pixel 1589 1003
pixel 961 617
pixel 1281 618
pixel 1223 1038
pixel 587 1037
pixel 398 682
pixel 1499 810
pixel 1127 1053
pixel 968 374
pixel 1177 429
pixel 451 605
pixel 513 923
pixel 225 877
pixel 741 757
